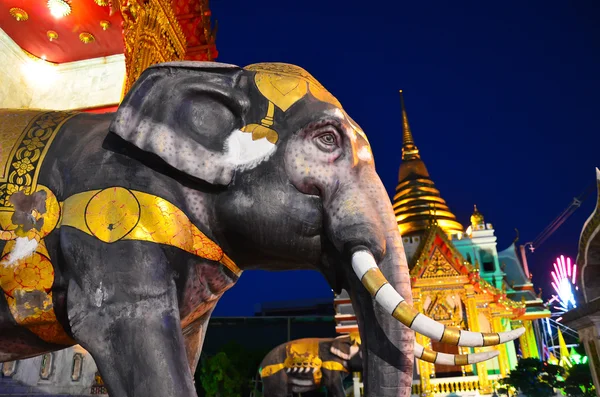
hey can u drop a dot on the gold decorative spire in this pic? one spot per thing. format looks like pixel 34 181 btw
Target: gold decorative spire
pixel 409 150
pixel 418 203
pixel 476 218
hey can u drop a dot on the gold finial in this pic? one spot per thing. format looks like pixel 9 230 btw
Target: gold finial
pixel 476 218
pixel 409 150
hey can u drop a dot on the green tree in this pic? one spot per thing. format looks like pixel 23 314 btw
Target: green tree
pixel 534 378
pixel 231 372
pixel 579 381
pixel 220 378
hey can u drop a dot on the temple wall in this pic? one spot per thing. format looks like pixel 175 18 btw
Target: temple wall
pixel 15 92
pixel 35 83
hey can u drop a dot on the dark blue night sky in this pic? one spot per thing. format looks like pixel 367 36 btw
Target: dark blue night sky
pixel 503 99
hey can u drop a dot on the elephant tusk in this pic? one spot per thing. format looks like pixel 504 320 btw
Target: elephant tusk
pixel 452 359
pixel 391 301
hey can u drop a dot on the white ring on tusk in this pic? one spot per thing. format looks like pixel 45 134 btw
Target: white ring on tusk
pixel 362 261
pixel 388 298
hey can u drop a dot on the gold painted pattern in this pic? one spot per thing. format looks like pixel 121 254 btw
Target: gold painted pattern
pixel 283 85
pixel 405 313
pixel 429 355
pixel 490 339
pixel 117 213
pixel 450 336
pixel 373 280
pixel 461 359
pixel 25 138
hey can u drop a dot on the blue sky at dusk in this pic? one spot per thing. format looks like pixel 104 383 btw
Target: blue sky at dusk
pixel 503 99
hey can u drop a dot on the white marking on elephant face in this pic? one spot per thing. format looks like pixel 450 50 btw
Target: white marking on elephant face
pixel 23 248
pixel 245 153
pixel 364 153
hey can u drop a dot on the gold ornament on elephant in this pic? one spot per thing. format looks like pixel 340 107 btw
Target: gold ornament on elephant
pixel 283 85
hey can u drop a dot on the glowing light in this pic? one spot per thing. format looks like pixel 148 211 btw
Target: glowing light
pixel 564 284
pixel 59 8
pixel 39 72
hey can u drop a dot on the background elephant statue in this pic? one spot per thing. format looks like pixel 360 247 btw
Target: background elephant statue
pixel 307 364
pixel 130 226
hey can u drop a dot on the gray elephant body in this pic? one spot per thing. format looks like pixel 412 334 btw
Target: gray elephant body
pixel 304 365
pixel 121 231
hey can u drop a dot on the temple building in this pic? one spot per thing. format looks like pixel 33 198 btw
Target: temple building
pixel 84 55
pixel 585 318
pixel 459 278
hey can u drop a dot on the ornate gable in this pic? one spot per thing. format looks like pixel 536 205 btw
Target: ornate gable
pixel 437 257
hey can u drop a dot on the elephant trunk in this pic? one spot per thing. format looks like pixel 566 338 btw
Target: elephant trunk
pixel 361 220
pixel 363 227
pixel 388 344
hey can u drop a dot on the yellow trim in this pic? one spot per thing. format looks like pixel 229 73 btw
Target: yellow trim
pixel 334 366
pixel 117 213
pixel 271 370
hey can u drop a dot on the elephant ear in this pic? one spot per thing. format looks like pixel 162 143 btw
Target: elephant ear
pixel 190 115
pixel 342 347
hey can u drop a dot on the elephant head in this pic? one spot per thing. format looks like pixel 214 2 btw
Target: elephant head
pixel 347 347
pixel 286 180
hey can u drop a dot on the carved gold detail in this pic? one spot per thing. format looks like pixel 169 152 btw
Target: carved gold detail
pixel 101 3
pixel 52 35
pixel 439 266
pixel 86 38
pixel 152 35
pixel 104 25
pixel 19 14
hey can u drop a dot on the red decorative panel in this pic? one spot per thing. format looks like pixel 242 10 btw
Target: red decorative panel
pixel 31 35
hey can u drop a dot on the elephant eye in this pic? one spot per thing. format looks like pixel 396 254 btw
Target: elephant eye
pixel 327 141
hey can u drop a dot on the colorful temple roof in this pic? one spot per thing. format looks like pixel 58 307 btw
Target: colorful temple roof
pixel 439 263
pixel 417 201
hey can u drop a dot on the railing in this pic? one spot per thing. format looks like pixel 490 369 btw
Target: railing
pixel 455 385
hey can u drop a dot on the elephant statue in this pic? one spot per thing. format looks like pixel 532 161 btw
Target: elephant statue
pixel 304 365
pixel 121 231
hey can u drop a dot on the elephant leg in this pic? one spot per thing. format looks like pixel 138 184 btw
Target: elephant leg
pixel 334 381
pixel 140 353
pixel 276 385
pixel 122 308
pixel 194 335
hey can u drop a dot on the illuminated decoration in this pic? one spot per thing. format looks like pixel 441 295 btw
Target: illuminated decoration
pixel 86 38
pixel 19 14
pixel 417 201
pixel 59 8
pixel 151 34
pixel 564 282
pixel 105 24
pixel 101 3
pixel 52 35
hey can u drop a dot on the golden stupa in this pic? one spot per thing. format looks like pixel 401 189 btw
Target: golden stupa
pixel 417 202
